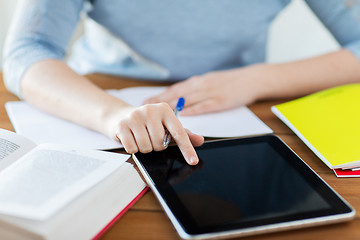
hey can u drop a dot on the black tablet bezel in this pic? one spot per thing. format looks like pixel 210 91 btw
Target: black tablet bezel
pixel 338 206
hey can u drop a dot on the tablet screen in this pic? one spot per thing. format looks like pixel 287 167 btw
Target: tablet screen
pixel 239 184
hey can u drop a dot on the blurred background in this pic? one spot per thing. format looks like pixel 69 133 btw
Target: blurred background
pixel 7 8
pixel 295 34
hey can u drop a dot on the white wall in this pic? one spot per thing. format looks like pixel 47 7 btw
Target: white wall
pixel 7 8
pixel 295 34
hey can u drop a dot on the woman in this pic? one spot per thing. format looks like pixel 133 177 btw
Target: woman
pixel 212 50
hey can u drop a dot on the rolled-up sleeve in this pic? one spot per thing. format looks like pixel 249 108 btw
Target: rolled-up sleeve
pixel 342 19
pixel 40 29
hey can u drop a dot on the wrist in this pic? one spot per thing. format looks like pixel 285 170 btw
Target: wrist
pixel 112 117
pixel 268 81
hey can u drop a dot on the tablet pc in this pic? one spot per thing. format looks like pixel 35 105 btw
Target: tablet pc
pixel 240 187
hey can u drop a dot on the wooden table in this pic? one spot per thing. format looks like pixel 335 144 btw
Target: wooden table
pixel 147 220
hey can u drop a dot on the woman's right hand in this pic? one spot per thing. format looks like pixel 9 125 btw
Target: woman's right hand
pixel 142 129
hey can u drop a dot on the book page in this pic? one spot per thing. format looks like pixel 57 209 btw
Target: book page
pixel 50 176
pixel 12 147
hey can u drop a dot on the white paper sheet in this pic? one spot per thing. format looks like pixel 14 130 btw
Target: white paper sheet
pixel 44 128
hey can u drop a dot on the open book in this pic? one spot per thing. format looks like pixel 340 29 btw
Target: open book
pixel 328 123
pixel 53 191
pixel 42 127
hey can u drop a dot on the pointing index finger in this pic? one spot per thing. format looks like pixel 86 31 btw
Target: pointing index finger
pixel 182 139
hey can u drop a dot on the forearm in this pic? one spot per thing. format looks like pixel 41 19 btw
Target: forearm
pixel 221 90
pixel 303 77
pixel 53 87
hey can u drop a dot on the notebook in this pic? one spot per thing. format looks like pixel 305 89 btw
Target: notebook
pixel 41 127
pixel 328 123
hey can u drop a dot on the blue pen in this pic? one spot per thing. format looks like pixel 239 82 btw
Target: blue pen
pixel 179 106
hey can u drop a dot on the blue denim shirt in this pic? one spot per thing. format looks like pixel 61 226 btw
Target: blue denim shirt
pixel 157 39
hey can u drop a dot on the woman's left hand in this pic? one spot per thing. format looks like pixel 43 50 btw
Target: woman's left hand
pixel 216 91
